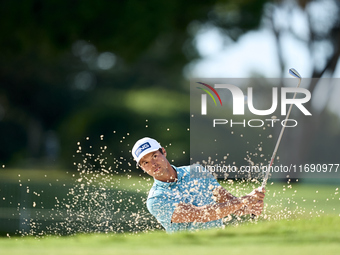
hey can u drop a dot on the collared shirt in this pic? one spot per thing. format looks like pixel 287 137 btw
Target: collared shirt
pixel 190 189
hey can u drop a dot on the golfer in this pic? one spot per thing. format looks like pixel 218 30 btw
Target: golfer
pixel 180 201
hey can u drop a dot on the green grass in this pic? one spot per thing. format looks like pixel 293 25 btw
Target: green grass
pixel 312 228
pixel 320 235
pixel 296 200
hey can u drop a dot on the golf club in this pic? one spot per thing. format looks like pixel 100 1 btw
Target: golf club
pixel 295 74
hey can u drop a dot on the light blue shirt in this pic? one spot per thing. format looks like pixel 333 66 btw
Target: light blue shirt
pixel 195 189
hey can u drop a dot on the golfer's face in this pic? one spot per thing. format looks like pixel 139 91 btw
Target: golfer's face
pixel 154 163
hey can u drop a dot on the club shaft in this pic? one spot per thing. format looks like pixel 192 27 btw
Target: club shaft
pixel 265 179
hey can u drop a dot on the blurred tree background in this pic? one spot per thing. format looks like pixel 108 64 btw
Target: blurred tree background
pixel 315 140
pixel 106 73
pixel 76 69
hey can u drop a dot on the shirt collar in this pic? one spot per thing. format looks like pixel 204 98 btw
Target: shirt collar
pixel 169 184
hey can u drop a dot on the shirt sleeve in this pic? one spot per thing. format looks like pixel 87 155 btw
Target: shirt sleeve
pixel 162 207
pixel 212 183
pixel 201 173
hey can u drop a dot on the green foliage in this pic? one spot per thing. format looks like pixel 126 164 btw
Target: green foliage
pixel 129 27
pixel 50 79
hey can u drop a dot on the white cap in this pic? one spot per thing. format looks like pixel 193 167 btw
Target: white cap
pixel 143 147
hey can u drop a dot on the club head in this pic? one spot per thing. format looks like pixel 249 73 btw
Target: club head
pixel 294 73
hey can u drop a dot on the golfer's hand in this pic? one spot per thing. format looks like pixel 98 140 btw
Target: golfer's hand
pixel 256 195
pixel 249 200
pixel 253 197
pixel 256 209
pixel 221 195
pixel 261 193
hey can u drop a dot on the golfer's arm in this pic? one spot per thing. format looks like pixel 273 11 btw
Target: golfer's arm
pixel 223 195
pixel 190 213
